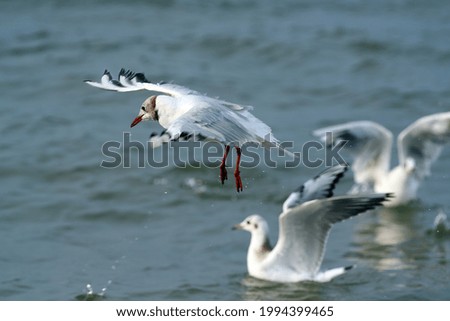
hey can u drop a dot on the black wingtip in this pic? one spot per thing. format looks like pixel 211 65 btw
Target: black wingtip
pixel 330 191
pixel 347 268
pixel 127 73
pixel 389 196
pixel 337 179
pixel 140 77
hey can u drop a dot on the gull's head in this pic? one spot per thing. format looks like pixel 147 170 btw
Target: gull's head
pixel 259 243
pixel 253 224
pixel 147 111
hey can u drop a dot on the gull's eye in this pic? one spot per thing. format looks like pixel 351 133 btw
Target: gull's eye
pixel 143 108
pixel 248 222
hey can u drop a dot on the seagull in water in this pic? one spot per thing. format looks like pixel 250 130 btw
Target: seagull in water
pixel 186 114
pixel 308 215
pixel 370 144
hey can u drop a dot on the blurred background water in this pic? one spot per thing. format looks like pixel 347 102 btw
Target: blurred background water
pixel 70 227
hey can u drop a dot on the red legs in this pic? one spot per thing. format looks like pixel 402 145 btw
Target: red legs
pixel 237 175
pixel 223 170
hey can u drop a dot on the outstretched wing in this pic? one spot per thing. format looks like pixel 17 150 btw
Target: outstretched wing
pixel 421 143
pixel 367 142
pixel 304 229
pixel 213 119
pixel 319 187
pixel 214 122
pixel 130 81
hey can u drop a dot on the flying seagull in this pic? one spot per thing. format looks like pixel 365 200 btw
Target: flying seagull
pixel 187 114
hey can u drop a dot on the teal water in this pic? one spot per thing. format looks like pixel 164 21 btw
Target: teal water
pixel 69 226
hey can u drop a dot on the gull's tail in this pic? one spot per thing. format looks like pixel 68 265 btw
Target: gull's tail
pixel 328 275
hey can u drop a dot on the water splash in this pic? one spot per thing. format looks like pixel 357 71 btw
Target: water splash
pixel 90 294
pixel 197 185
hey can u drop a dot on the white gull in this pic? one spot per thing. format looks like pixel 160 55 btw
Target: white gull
pixel 186 114
pixel 370 144
pixel 307 217
pixel 441 223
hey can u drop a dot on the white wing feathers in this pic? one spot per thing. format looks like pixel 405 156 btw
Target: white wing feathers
pixel 205 123
pixel 420 144
pixel 304 229
pixel 222 122
pixel 130 81
pixel 308 215
pixel 207 119
pixel 204 126
pixel 319 187
pixel 367 142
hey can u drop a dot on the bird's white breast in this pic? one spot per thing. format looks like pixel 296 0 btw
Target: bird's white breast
pixel 170 108
pixel 401 182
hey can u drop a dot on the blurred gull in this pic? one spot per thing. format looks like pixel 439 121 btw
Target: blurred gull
pixel 307 217
pixel 440 223
pixel 370 144
pixel 186 114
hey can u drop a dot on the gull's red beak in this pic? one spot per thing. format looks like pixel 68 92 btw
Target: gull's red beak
pixel 137 120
